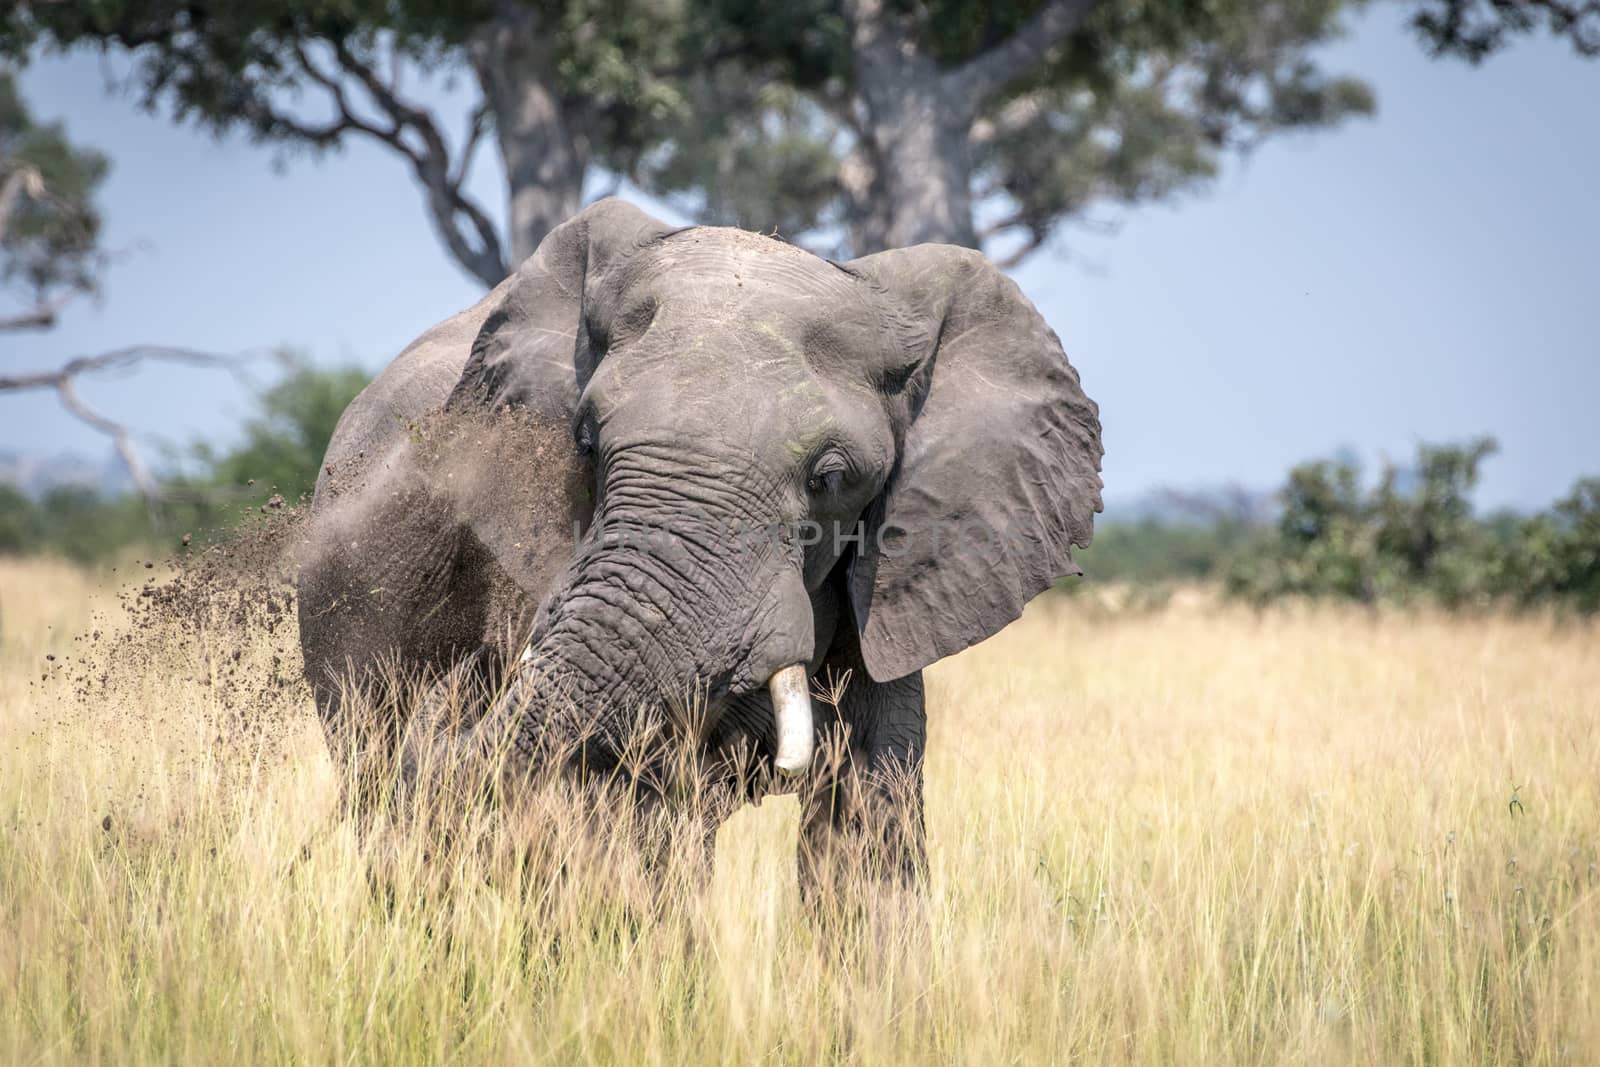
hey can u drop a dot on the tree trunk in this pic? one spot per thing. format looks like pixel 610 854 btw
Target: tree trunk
pixel 920 186
pixel 540 135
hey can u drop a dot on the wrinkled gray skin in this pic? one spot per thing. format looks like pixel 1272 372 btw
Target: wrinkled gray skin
pixel 694 382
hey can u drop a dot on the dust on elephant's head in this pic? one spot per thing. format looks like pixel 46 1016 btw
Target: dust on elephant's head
pixel 907 417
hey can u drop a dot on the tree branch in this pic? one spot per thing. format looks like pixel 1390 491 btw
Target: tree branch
pixel 433 169
pixel 64 381
pixel 411 132
pixel 1016 220
pixel 1001 225
pixel 988 72
pixel 42 316
pixel 1474 31
pixel 477 124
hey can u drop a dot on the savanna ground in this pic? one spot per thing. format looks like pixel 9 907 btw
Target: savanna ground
pixel 1194 835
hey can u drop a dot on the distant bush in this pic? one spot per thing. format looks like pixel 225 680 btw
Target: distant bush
pixel 285 439
pixel 1153 550
pixel 73 521
pixel 1556 556
pixel 1414 536
pixel 282 446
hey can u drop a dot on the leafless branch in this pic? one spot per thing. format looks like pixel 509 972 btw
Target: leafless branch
pixel 42 316
pixel 64 380
pixel 988 72
pixel 431 163
pixel 411 132
pixel 349 81
pixel 1001 225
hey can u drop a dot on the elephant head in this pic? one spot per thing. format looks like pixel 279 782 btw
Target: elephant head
pixel 782 448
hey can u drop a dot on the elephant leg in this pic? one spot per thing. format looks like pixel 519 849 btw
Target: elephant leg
pixel 861 817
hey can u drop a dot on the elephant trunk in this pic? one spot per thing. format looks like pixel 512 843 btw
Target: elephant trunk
pixel 640 623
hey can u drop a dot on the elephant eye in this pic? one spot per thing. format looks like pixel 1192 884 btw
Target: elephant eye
pixel 826 476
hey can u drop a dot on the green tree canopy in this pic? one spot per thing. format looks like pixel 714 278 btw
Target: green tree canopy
pixel 562 86
pixel 1414 535
pixel 992 124
pixel 850 124
pixel 284 440
pixel 1475 29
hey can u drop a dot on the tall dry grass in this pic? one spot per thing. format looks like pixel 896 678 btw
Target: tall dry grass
pixel 1193 836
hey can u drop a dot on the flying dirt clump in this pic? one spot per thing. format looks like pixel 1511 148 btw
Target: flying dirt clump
pixel 217 625
pixel 214 631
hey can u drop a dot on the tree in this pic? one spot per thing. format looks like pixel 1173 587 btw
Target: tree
pixel 1555 557
pixel 850 125
pixel 63 381
pixel 1475 29
pixel 853 124
pixel 562 85
pixel 1423 516
pixel 1412 534
pixel 991 124
pixel 50 251
pixel 49 225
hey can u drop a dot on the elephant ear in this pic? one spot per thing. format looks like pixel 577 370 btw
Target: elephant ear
pixel 998 473
pixel 531 352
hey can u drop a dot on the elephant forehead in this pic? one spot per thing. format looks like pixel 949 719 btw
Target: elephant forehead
pixel 766 331
pixel 749 396
pixel 727 328
pixel 744 379
pixel 747 303
pixel 718 270
pixel 753 343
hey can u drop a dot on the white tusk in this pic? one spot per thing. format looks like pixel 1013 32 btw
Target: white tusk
pixel 791 706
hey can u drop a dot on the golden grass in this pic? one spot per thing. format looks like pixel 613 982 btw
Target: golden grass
pixel 1194 836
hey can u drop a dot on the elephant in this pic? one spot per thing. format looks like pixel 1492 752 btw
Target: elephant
pixel 902 433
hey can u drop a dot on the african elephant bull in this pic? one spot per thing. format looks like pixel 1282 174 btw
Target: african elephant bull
pixel 903 429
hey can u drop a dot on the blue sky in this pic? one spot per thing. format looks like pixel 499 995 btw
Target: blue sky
pixel 1428 275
